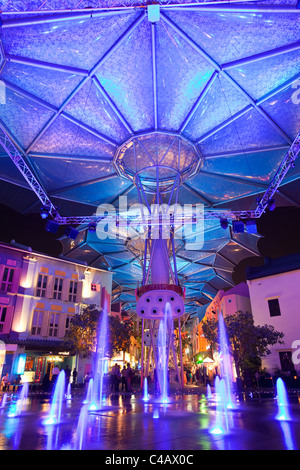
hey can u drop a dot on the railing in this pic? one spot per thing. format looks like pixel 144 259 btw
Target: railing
pixel 150 287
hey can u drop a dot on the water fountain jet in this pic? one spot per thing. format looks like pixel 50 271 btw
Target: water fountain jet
pixel 146 395
pixel 221 425
pixel 208 392
pixel 17 407
pixel 56 404
pixel 283 413
pixel 3 401
pixel 68 393
pixel 226 367
pixel 99 363
pixel 81 427
pixel 89 392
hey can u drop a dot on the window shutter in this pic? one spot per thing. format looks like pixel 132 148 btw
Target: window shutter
pixel 65 289
pixel 1 272
pixel 79 291
pixel 8 320
pixel 16 280
pixel 45 324
pixel 49 288
pixel 61 325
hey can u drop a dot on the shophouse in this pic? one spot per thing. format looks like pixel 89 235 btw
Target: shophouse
pixel 39 295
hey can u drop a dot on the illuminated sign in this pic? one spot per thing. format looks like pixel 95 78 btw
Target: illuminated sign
pixel 55 359
pixel 21 364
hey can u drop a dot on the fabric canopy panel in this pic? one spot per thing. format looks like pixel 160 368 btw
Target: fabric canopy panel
pixel 97 94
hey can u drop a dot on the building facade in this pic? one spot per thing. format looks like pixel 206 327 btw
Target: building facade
pixel 229 302
pixel 275 298
pixel 226 303
pixel 39 295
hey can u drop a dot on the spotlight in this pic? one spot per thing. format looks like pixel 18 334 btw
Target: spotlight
pixel 271 204
pixel 44 212
pixel 238 226
pixel 92 227
pixel 224 223
pixel 52 226
pixel 251 226
pixel 71 233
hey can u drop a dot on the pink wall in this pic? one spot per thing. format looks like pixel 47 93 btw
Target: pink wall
pixel 230 301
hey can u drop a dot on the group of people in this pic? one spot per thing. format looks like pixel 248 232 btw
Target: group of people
pixel 200 375
pixel 123 376
pixel 116 377
pixel 5 382
pixel 49 384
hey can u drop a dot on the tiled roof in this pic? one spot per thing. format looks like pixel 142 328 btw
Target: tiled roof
pixel 274 266
pixel 35 343
pixel 12 338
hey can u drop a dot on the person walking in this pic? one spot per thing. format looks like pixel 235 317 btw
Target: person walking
pixel 198 376
pixel 86 380
pixel 46 384
pixel 68 374
pixel 129 375
pixel 74 376
pixel 123 379
pixel 117 377
pixel 55 373
pixel 113 377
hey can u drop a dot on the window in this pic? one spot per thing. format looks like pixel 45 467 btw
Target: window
pixel 57 288
pixel 68 323
pixel 37 321
pixel 53 323
pixel 274 307
pixel 3 311
pixel 95 287
pixel 29 365
pixel 41 285
pixel 7 279
pixel 73 291
pixel 286 361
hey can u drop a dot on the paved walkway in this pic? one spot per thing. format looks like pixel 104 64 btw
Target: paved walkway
pixel 128 423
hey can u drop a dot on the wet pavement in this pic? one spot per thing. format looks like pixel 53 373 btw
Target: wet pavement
pixel 126 422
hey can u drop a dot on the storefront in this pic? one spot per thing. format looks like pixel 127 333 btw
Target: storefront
pixel 35 365
pixel 33 361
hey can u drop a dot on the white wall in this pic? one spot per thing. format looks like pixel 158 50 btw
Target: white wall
pixel 285 287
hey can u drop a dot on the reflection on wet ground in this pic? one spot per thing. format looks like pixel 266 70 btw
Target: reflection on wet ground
pixel 127 423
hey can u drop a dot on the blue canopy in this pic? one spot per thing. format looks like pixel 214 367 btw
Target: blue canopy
pixel 79 80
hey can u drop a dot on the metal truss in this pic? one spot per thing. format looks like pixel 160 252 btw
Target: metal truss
pixel 52 6
pixel 286 164
pixel 19 157
pixel 119 219
pixel 26 172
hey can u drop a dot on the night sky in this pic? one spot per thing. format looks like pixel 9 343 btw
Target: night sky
pixel 280 231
